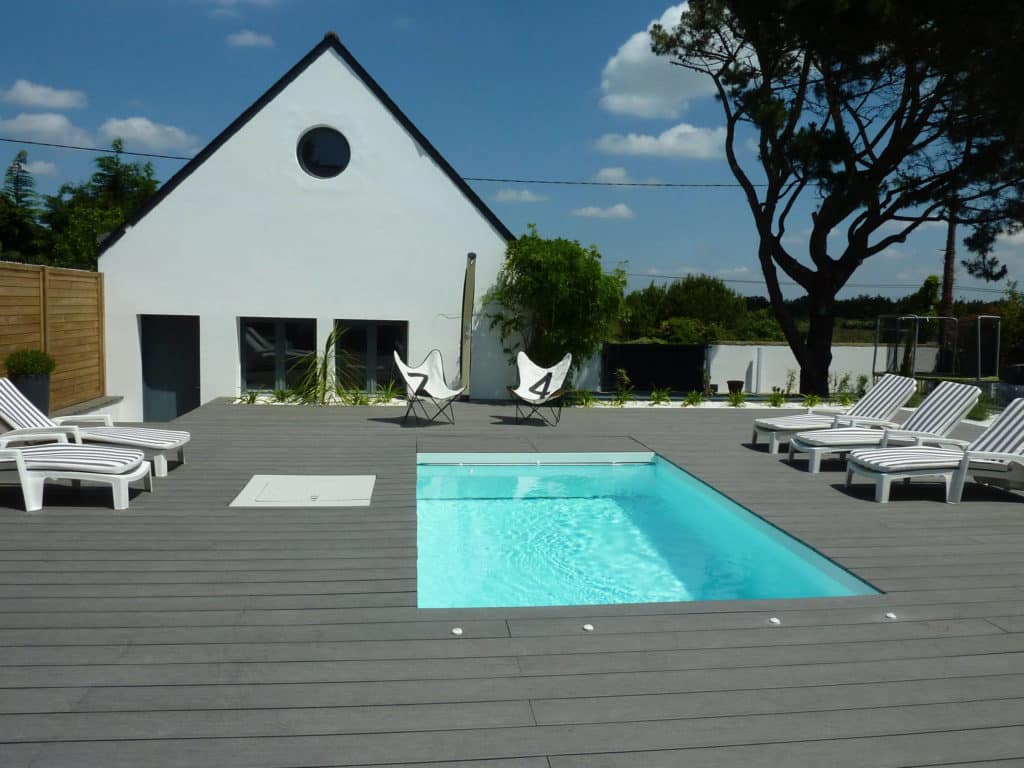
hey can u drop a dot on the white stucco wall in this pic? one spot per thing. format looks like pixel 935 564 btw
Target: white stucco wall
pixel 250 234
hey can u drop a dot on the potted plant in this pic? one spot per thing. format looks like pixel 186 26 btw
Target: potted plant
pixel 29 370
pixel 735 386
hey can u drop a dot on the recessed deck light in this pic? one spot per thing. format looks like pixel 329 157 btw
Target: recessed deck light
pixel 588 627
pixel 775 620
pixel 457 631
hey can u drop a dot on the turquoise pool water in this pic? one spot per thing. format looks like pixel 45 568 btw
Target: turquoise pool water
pixel 537 529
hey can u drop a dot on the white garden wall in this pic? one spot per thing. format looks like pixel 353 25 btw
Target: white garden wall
pixel 763 366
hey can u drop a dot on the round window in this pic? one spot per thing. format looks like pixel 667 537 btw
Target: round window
pixel 323 152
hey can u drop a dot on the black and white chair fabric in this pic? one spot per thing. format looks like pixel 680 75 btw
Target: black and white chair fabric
pixel 935 418
pixel 60 460
pixel 540 388
pixel 21 415
pixel 425 386
pixel 996 457
pixel 875 409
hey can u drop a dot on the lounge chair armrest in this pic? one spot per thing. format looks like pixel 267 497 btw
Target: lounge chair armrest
pixel 11 454
pixel 862 421
pixel 995 456
pixel 42 434
pixel 826 410
pixel 917 438
pixel 103 419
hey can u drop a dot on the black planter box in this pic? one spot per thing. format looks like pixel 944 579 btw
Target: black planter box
pixel 36 387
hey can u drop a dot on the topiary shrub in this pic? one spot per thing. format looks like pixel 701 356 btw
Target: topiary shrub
pixel 29 362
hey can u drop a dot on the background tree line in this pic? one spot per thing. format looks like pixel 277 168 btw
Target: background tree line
pixel 67 229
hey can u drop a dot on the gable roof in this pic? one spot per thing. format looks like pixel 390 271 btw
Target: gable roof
pixel 330 41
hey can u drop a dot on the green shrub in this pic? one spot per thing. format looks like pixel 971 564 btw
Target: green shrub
pixel 811 401
pixel 283 395
pixel 693 398
pixel 982 409
pixel 844 399
pixel 862 384
pixel 386 393
pixel 915 400
pixel 249 397
pixel 736 399
pixel 29 362
pixel 623 388
pixel 580 397
pixel 352 396
pixel 790 381
pixel 776 399
pixel 660 396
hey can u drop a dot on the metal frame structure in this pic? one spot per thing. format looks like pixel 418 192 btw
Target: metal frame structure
pixel 916 320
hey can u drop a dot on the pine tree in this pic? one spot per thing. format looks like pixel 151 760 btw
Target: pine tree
pixel 19 186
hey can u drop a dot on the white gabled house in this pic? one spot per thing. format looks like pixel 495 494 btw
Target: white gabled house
pixel 320 205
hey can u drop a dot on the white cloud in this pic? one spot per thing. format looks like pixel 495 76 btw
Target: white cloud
pixel 27 94
pixel 616 175
pixel 518 196
pixel 45 126
pixel 142 133
pixel 619 175
pixel 617 211
pixel 41 168
pixel 636 82
pixel 233 8
pixel 246 38
pixel 1016 240
pixel 683 140
pixel 733 272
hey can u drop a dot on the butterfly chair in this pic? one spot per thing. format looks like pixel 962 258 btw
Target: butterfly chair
pixel 539 388
pixel 426 390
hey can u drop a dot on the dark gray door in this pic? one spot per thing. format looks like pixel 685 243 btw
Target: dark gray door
pixel 170 365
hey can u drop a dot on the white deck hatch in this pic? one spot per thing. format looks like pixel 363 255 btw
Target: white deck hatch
pixel 306 491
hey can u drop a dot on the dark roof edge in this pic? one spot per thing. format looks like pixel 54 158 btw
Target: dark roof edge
pixel 330 41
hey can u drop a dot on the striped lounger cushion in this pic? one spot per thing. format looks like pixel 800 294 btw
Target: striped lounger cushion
pixel 829 438
pixel 67 457
pixel 916 458
pixel 143 437
pixel 797 422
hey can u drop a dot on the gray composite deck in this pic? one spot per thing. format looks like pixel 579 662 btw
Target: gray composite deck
pixel 185 633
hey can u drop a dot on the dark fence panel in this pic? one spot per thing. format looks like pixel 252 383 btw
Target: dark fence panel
pixel 677 366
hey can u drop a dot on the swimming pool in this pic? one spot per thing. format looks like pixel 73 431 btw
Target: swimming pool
pixel 499 530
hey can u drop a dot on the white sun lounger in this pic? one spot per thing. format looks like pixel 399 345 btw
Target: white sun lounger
pixel 996 457
pixel 539 387
pixel 875 409
pixel 21 415
pixel 935 418
pixel 425 384
pixel 103 464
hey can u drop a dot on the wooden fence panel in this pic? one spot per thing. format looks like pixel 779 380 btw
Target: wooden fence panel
pixel 59 311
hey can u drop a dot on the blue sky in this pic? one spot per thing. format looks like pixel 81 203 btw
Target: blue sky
pixel 525 90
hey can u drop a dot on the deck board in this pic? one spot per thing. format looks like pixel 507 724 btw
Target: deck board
pixel 182 632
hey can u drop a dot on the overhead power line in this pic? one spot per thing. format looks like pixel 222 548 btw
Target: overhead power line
pixel 565 182
pixel 101 150
pixel 791 284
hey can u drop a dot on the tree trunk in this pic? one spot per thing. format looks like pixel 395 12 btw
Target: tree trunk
pixel 818 346
pixel 946 351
